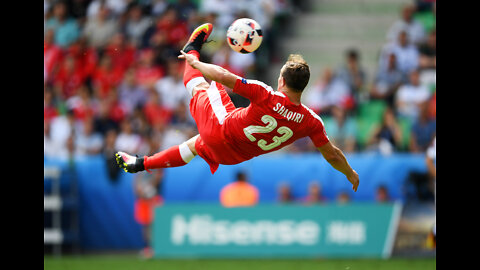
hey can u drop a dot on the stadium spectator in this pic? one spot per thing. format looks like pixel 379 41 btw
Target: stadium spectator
pixel 175 29
pixel 121 52
pixel 102 120
pixel 154 112
pixel 118 7
pixel 117 111
pixel 353 73
pixel 239 193
pixel 314 195
pixel 409 97
pixel 185 8
pixel 105 77
pixel 108 152
pixel 343 197
pixel 382 195
pixel 127 140
pixel 181 127
pixel 327 92
pixel 50 111
pixel 66 28
pixel 140 124
pixel 172 136
pixel 82 105
pixel 147 72
pixel 387 135
pixel 157 42
pixel 52 54
pixel 342 129
pixel 87 141
pixel 51 147
pixel 100 29
pixel 423 131
pixel 406 53
pixel 68 78
pixel 428 51
pixel 131 94
pixel 219 34
pixel 170 88
pixel 223 8
pixel 430 159
pixel 86 57
pixel 64 126
pixel 285 195
pixel 426 14
pixel 147 197
pixel 136 24
pixel 407 23
pixel 387 81
pixel 158 7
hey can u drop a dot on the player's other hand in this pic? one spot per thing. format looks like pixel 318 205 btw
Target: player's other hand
pixel 353 178
pixel 191 59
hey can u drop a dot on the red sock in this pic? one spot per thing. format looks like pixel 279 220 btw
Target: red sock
pixel 191 73
pixel 167 158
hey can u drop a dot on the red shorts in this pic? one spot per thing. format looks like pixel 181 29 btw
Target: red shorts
pixel 209 108
pixel 144 209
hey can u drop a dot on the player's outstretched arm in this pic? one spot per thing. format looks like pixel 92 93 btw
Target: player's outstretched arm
pixel 337 159
pixel 211 71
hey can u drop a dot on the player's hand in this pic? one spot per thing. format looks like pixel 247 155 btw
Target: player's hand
pixel 353 178
pixel 188 57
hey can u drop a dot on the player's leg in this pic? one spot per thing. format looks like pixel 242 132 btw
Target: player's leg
pixel 192 78
pixel 175 156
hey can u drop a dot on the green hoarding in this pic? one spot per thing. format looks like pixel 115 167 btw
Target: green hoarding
pixel 352 230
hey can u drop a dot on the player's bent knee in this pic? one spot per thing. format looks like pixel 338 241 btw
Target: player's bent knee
pixel 191 144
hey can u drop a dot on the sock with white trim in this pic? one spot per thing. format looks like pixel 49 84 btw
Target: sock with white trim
pixel 174 156
pixel 192 77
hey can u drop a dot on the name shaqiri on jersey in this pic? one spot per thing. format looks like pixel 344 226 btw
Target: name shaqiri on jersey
pixel 289 115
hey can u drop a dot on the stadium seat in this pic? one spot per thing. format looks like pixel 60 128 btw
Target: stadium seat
pixel 406 126
pixel 369 115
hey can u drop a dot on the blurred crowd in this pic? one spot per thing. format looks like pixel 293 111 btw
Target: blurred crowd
pixel 392 110
pixel 112 79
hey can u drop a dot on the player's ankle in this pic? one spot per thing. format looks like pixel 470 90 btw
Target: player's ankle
pixel 140 164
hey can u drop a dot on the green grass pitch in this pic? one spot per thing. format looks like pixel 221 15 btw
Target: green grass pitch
pixel 131 262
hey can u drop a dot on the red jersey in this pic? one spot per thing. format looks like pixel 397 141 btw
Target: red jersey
pixel 269 123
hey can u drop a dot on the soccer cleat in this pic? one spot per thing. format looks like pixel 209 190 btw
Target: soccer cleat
pixel 198 37
pixel 129 163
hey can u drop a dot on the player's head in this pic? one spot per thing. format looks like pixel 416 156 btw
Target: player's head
pixel 241 177
pixel 295 73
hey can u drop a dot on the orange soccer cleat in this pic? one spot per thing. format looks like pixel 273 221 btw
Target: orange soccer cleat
pixel 198 37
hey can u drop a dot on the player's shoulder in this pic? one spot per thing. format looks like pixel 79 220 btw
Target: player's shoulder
pixel 256 83
pixel 312 114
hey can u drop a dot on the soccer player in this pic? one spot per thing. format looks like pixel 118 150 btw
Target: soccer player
pixel 230 135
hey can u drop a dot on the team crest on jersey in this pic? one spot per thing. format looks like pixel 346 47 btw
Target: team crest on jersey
pixel 244 81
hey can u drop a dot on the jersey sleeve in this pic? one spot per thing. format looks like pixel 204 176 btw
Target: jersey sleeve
pixel 318 134
pixel 255 91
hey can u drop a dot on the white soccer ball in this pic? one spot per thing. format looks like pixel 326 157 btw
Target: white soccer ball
pixel 244 35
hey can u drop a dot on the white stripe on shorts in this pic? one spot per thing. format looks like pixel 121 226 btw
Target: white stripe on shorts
pixel 216 102
pixel 194 82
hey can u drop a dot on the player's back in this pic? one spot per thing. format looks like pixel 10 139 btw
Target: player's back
pixel 269 123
